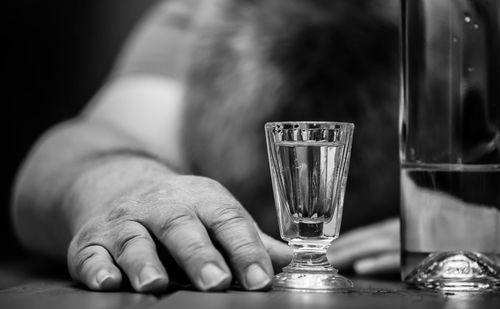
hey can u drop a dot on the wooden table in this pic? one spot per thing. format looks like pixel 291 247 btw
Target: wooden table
pixel 36 284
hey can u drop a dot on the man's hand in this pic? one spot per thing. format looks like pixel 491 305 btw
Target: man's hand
pixel 369 250
pixel 201 225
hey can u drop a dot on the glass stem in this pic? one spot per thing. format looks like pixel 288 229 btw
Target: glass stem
pixel 309 256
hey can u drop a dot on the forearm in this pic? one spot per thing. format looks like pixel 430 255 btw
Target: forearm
pixel 45 206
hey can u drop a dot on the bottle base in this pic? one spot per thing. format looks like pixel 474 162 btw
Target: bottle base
pixel 458 271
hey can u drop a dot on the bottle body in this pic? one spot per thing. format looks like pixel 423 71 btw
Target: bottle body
pixel 450 144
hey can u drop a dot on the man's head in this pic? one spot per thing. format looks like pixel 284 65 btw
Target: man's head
pixel 257 61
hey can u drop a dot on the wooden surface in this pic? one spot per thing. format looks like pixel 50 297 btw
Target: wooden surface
pixel 33 284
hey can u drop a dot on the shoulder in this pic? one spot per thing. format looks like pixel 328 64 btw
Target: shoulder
pixel 160 43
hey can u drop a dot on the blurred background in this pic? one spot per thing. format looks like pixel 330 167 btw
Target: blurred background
pixel 57 54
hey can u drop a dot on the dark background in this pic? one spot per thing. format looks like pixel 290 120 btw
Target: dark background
pixel 57 54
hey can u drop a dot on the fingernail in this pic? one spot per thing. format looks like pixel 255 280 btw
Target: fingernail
pixel 256 278
pixel 149 275
pixel 102 276
pixel 212 276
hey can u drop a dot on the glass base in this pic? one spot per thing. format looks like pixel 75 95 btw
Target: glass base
pixel 460 271
pixel 309 270
pixel 311 282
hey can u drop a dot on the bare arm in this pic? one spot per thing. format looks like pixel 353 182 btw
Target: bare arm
pixel 70 149
pixel 101 190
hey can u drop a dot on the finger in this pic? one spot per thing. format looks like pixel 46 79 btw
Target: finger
pixel 280 253
pixel 388 228
pixel 93 266
pixel 385 263
pixel 371 245
pixel 363 242
pixel 189 244
pixel 235 230
pixel 135 252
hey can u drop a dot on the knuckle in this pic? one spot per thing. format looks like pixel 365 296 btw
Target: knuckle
pixel 212 183
pixel 245 246
pixel 90 233
pixel 193 249
pixel 126 237
pixel 82 258
pixel 84 247
pixel 204 184
pixel 245 251
pixel 117 213
pixel 195 253
pixel 179 217
pixel 228 217
pixel 126 209
pixel 137 205
pixel 202 180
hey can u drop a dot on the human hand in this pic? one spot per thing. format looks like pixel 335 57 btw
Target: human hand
pixel 372 249
pixel 201 225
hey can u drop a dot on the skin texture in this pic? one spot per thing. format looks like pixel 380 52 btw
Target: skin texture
pixel 121 195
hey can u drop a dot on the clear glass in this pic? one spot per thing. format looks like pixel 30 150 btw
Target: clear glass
pixel 450 144
pixel 309 164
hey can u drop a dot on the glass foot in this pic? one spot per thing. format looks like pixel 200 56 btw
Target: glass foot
pixel 311 282
pixel 310 270
pixel 456 271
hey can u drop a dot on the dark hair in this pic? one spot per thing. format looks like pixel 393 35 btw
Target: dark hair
pixel 258 61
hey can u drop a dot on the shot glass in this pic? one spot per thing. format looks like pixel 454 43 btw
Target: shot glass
pixel 309 163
